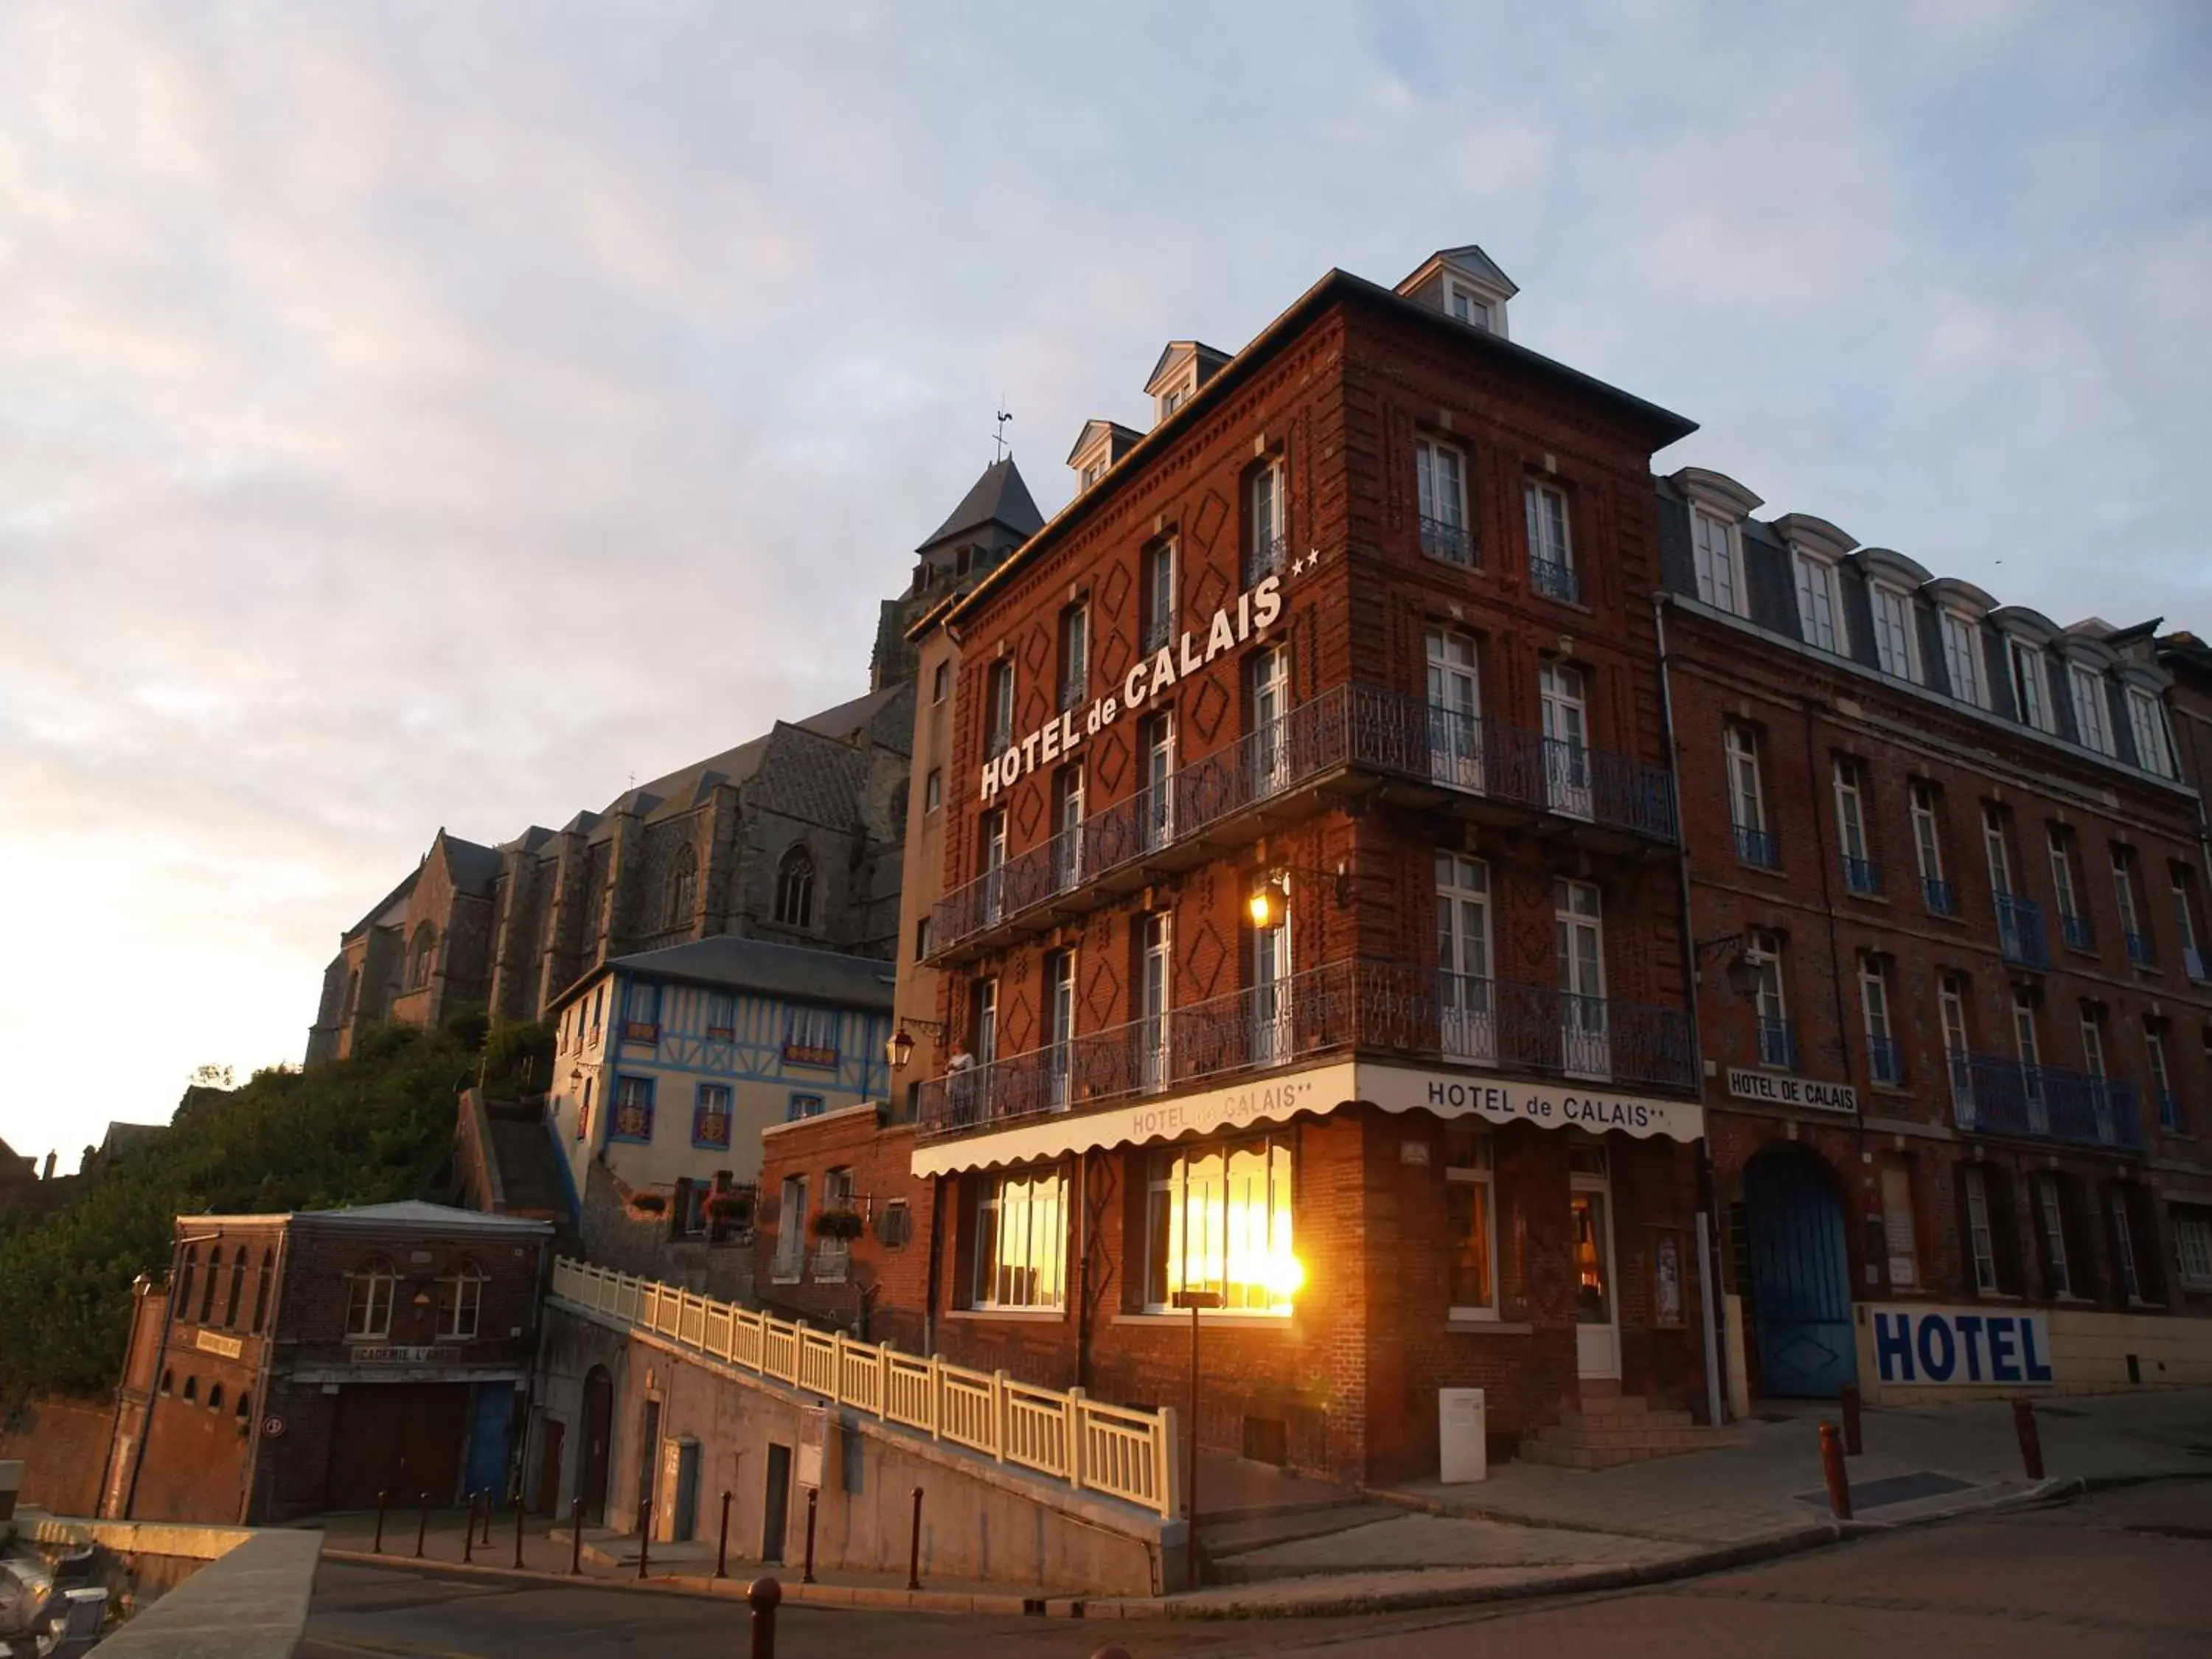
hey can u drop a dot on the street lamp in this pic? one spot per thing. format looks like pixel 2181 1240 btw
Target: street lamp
pixel 1270 901
pixel 899 1048
pixel 1197 1302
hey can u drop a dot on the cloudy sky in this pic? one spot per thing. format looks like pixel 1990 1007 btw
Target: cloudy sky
pixel 435 414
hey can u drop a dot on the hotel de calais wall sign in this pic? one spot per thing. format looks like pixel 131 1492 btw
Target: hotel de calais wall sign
pixel 1777 1090
pixel 1255 612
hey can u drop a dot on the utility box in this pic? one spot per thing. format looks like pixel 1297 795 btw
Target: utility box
pixel 1463 1429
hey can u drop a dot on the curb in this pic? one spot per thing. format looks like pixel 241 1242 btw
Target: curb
pixel 1005 1605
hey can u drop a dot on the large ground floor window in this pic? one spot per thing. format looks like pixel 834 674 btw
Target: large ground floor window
pixel 1021 1240
pixel 1218 1218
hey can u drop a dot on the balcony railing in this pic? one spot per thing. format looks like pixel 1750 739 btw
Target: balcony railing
pixel 2139 951
pixel 2077 932
pixel 1352 726
pixel 1452 542
pixel 1366 1006
pixel 1074 687
pixel 2020 931
pixel 1777 1044
pixel 1942 899
pixel 1554 579
pixel 1862 876
pixel 1760 846
pixel 1996 1096
pixel 1885 1062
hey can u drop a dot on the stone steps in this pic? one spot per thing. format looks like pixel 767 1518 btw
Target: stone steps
pixel 1607 1428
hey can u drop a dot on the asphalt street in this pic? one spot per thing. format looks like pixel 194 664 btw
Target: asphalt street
pixel 2125 1572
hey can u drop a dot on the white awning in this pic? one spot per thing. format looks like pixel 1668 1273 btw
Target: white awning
pixel 1323 1090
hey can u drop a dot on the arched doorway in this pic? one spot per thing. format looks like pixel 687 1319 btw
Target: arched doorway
pixel 599 1435
pixel 1800 1290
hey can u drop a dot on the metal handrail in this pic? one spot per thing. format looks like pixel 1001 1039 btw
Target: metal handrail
pixel 1361 1004
pixel 2020 931
pixel 1994 1095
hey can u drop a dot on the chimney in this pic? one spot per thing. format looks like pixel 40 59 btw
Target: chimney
pixel 48 1174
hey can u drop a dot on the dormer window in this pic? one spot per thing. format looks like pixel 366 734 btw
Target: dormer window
pixel 2092 714
pixel 1895 642
pixel 2146 720
pixel 2030 687
pixel 1174 398
pixel 1094 472
pixel 1962 658
pixel 1183 368
pixel 1468 306
pixel 1719 561
pixel 1466 285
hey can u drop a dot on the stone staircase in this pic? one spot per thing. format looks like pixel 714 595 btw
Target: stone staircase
pixel 1611 1428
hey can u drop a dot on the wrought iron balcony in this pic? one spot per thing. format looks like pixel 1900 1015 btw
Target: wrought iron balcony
pixel 1996 1095
pixel 1352 727
pixel 1074 686
pixel 1862 876
pixel 1265 557
pixel 1454 543
pixel 1554 579
pixel 2020 931
pixel 1760 846
pixel 2077 932
pixel 1885 1061
pixel 2139 950
pixel 1942 899
pixel 1366 1006
pixel 1777 1044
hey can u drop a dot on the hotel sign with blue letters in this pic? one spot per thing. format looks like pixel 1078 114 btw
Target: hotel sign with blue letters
pixel 1957 1347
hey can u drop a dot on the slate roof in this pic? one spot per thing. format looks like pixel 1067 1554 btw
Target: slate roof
pixel 731 962
pixel 475 869
pixel 999 496
pixel 414 1213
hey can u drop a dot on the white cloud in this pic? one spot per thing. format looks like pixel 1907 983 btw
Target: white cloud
pixel 436 415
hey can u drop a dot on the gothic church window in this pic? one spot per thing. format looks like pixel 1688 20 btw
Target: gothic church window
pixel 683 888
pixel 794 888
pixel 422 956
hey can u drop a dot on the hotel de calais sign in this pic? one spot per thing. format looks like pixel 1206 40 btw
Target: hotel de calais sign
pixel 1255 612
pixel 1777 1090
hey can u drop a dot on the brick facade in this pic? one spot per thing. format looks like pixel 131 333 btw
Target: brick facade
pixel 252 1333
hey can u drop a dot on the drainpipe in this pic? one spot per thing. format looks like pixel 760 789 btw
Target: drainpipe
pixel 936 1262
pixel 1707 1269
pixel 154 1387
pixel 1082 1271
pixel 261 1383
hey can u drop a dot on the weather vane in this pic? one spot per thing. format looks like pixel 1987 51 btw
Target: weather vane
pixel 998 437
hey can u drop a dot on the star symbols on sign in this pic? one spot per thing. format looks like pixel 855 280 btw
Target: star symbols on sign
pixel 1310 562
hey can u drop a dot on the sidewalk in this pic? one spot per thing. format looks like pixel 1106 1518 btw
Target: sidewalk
pixel 1279 1545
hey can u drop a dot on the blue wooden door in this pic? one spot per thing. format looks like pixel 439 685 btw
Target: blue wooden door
pixel 488 1431
pixel 1801 1276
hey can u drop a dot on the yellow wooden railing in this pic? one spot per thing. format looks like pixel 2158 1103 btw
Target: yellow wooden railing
pixel 1111 1449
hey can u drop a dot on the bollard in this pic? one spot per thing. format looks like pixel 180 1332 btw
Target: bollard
pixel 423 1527
pixel 1853 1445
pixel 2031 1437
pixel 517 1534
pixel 762 1595
pixel 807 1572
pixel 491 1502
pixel 644 1542
pixel 377 1548
pixel 469 1531
pixel 576 1538
pixel 722 1549
pixel 914 1549
pixel 1831 1464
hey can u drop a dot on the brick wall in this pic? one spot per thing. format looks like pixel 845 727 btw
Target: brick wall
pixel 884 1292
pixel 63 1446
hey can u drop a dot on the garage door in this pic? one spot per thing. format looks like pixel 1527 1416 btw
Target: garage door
pixel 402 1438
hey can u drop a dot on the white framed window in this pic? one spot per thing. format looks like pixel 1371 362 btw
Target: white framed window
pixel 1962 658
pixel 1060 1021
pixel 2185 925
pixel 999 708
pixel 1455 686
pixel 2192 1245
pixel 1440 480
pixel 1859 872
pixel 1155 983
pixel 1562 694
pixel 2123 1240
pixel 790 1231
pixel 2092 716
pixel 933 790
pixel 1067 795
pixel 1159 574
pixel 1821 604
pixel 983 1012
pixel 1981 1243
pixel 1218 1218
pixel 2146 720
pixel 1471 1215
pixel 1465 305
pixel 2030 687
pixel 461 1302
pixel 1093 472
pixel 940 682
pixel 2051 1222
pixel 1997 850
pixel 1885 1064
pixel 2024 1043
pixel 368 1298
pixel 1464 992
pixel 1021 1240
pixel 1579 946
pixel 1719 563
pixel 1896 641
pixel 1268 683
pixel 1074 654
pixel 1898 1233
pixel 2162 1080
pixel 1551 546
pixel 1927 835
pixel 1265 521
pixel 1770 1002
pixel 1157 813
pixel 2123 895
pixel 2062 875
pixel 814 1029
pixel 1746 798
pixel 2093 1042
pixel 1951 997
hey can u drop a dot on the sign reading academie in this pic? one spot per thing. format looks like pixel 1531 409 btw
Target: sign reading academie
pixel 1255 612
